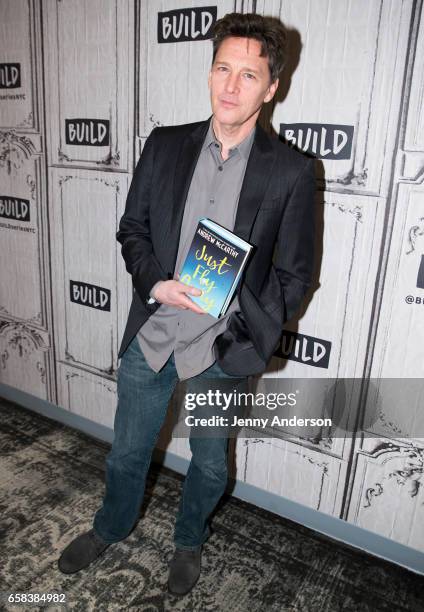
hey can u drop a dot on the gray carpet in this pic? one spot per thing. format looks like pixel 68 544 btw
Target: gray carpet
pixel 51 483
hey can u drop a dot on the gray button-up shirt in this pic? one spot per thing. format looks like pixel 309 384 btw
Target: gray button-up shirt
pixel 214 193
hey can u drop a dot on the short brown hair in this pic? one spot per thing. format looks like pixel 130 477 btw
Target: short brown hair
pixel 269 31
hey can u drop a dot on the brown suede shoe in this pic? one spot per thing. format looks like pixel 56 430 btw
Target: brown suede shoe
pixel 184 570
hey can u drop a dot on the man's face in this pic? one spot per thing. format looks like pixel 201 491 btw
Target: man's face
pixel 239 82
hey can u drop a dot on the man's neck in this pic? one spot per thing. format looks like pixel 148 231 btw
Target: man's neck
pixel 231 136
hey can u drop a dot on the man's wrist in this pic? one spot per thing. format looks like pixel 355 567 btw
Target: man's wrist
pixel 152 299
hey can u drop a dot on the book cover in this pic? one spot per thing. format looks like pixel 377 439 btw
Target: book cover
pixel 214 264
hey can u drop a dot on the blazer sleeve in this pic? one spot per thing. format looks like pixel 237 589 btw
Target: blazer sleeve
pixel 294 256
pixel 134 226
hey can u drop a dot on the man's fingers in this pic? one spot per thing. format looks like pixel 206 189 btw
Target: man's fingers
pixel 197 309
pixel 177 294
pixel 194 291
pixel 182 288
pixel 188 303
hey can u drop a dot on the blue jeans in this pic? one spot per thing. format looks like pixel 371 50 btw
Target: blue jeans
pixel 143 398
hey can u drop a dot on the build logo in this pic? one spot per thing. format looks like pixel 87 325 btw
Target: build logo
pixel 304 349
pixel 10 76
pixel 89 295
pixel 322 140
pixel 182 25
pixel 14 208
pixel 88 132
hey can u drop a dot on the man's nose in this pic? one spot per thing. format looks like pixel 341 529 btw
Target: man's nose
pixel 232 82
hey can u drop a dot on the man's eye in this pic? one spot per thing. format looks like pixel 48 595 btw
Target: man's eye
pixel 249 75
pixel 222 68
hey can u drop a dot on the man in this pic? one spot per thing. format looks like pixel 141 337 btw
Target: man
pixel 228 169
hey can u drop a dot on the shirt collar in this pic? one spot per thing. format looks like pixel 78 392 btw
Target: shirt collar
pixel 243 147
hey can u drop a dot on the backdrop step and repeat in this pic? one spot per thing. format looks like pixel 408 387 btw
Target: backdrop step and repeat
pixel 83 83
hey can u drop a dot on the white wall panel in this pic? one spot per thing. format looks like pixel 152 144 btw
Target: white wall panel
pixel 90 76
pixel 173 77
pixel 349 71
pixel 19 22
pixel 398 359
pixel 401 331
pixel 86 207
pixel 291 471
pixel 414 140
pixel 386 479
pixel 25 358
pixel 22 231
pixel 339 310
pixel 338 306
pixel 387 496
pixel 88 395
pixel 25 303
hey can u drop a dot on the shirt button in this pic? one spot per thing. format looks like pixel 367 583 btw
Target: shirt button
pixel 211 201
pixel 217 145
pixel 220 168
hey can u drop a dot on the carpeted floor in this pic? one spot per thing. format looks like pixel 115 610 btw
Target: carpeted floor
pixel 51 483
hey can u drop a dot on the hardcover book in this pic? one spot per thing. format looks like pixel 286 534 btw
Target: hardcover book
pixel 214 264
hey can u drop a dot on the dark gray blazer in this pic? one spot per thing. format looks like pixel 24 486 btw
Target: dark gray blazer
pixel 276 208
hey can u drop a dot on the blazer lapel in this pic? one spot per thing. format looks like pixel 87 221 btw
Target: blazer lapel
pixel 186 163
pixel 256 179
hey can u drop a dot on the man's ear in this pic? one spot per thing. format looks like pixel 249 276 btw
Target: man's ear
pixel 271 90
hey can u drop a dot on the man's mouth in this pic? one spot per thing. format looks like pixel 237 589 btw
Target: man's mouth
pixel 227 103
